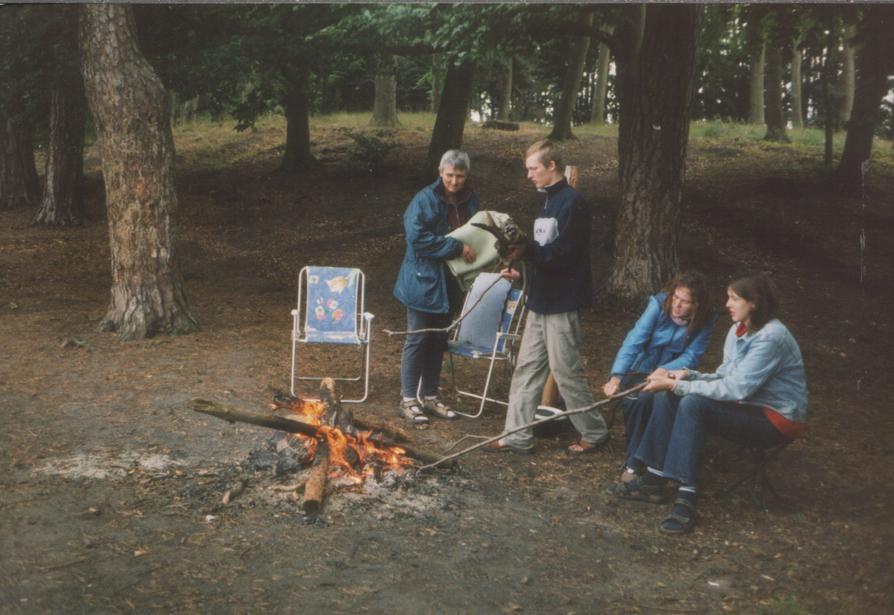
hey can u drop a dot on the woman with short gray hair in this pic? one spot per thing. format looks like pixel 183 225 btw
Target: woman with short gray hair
pixel 423 286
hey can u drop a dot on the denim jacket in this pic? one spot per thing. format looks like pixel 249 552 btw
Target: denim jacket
pixel 657 341
pixel 763 368
pixel 421 282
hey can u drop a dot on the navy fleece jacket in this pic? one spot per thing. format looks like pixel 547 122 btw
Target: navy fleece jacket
pixel 559 255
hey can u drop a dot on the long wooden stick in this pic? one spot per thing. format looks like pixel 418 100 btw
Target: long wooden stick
pixel 233 415
pixel 558 415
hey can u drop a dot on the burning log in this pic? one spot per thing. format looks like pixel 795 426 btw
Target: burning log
pixel 315 487
pixel 326 434
pixel 392 434
pixel 234 415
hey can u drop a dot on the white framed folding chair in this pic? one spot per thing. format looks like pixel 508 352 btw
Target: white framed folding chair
pixel 331 310
pixel 490 330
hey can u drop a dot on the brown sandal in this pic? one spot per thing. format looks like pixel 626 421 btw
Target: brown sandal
pixel 582 447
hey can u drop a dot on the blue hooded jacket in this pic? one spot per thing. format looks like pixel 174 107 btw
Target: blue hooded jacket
pixel 421 283
pixel 657 341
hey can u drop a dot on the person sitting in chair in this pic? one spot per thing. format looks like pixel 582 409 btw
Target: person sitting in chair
pixel 757 397
pixel 672 333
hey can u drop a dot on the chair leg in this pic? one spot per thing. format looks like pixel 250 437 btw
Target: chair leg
pixel 292 377
pixel 483 396
pixel 758 478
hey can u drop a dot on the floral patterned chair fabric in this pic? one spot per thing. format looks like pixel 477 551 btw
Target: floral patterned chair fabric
pixel 331 316
pixel 331 310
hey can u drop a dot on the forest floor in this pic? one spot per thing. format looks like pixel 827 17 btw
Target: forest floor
pixel 110 488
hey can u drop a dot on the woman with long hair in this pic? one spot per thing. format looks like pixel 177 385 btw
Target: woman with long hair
pixel 757 397
pixel 671 334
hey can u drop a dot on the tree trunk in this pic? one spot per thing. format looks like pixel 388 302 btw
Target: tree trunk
pixel 63 194
pixel 18 175
pixel 577 57
pixel 775 114
pixel 797 104
pixel 385 101
pixel 297 157
pixel 504 92
pixel 829 98
pixel 436 82
pixel 655 91
pixel 598 114
pixel 874 64
pixel 756 85
pixel 847 76
pixel 451 119
pixel 130 112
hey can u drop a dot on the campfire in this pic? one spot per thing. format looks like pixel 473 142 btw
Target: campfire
pixel 332 447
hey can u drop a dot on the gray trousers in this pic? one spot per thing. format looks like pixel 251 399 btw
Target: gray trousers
pixel 551 343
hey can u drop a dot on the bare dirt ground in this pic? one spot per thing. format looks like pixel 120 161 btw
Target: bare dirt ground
pixel 110 488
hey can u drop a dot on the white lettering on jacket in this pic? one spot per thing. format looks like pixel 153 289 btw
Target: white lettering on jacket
pixel 545 230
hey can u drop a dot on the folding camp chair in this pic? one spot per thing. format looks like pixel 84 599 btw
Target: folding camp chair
pixel 757 478
pixel 490 329
pixel 330 310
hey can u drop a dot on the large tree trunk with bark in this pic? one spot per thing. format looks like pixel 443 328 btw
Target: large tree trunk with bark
pixel 18 175
pixel 385 99
pixel 597 116
pixel 756 84
pixel 297 156
pixel 775 115
pixel 63 194
pixel 797 100
pixel 451 119
pixel 504 92
pixel 130 112
pixel 437 84
pixel 577 57
pixel 874 64
pixel 655 89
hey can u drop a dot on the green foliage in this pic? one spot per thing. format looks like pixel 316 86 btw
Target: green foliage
pixel 36 43
pixel 721 90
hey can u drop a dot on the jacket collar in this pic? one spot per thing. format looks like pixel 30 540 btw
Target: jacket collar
pixel 554 188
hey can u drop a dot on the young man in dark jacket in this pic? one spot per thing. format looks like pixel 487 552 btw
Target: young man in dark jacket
pixel 422 283
pixel 558 262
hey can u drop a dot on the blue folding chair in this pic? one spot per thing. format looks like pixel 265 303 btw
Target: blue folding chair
pixel 330 310
pixel 490 329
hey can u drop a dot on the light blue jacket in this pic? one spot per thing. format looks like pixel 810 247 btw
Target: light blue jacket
pixel 421 282
pixel 764 368
pixel 657 341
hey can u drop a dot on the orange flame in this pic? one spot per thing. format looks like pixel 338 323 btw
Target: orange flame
pixel 348 452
